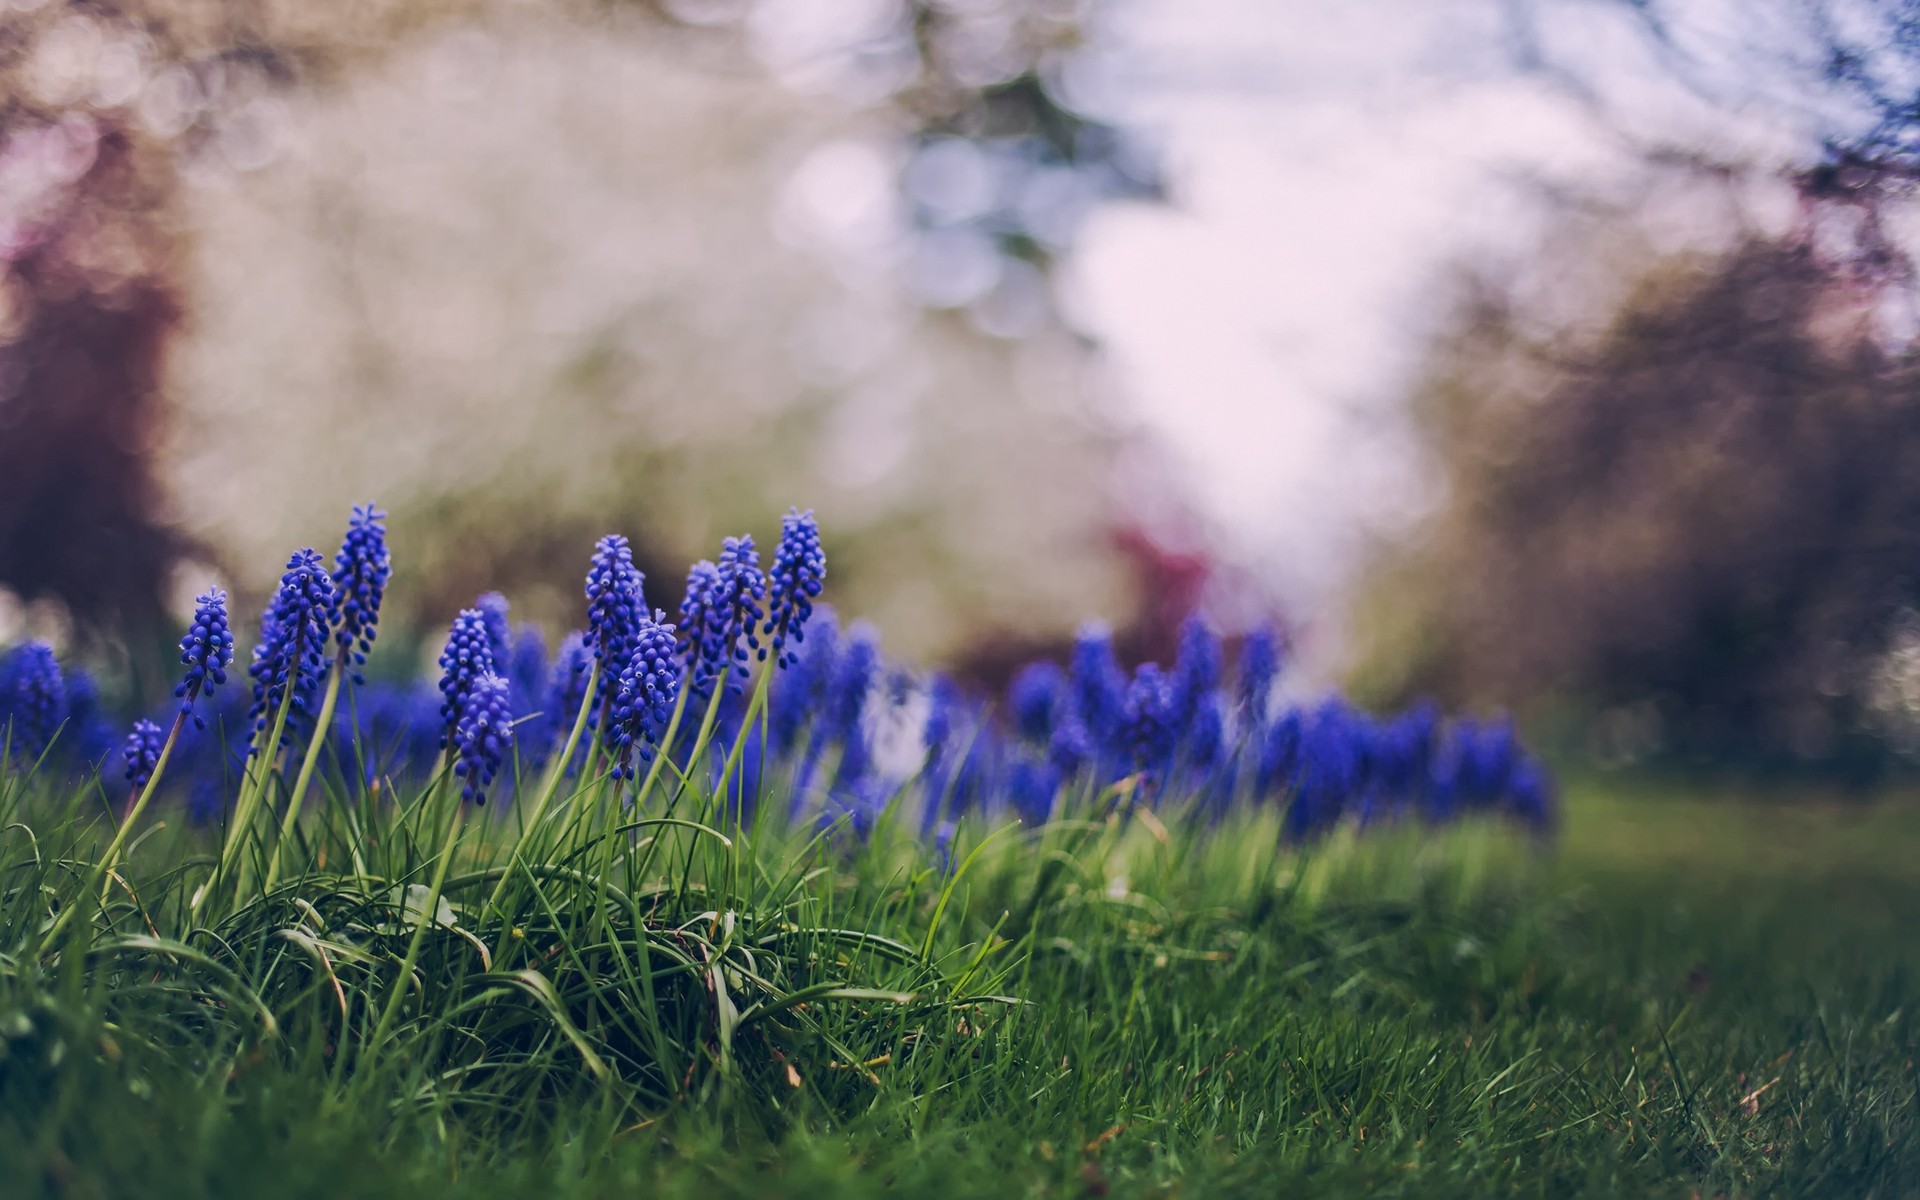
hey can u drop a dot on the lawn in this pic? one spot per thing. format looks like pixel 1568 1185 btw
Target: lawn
pixel 1677 995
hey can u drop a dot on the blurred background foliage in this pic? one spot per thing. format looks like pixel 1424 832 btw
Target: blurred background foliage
pixel 509 269
pixel 1681 443
pixel 531 273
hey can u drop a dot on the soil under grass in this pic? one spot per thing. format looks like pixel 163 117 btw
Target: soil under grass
pixel 1679 997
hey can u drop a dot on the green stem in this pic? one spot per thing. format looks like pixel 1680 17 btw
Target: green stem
pixel 321 728
pixel 140 805
pixel 428 916
pixel 253 783
pixel 556 770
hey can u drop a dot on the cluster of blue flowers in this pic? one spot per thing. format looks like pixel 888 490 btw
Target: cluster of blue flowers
pixel 846 736
pixel 1185 735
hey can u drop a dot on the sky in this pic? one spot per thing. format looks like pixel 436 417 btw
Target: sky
pixel 1328 163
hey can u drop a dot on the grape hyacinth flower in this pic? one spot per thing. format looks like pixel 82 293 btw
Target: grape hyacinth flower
pixel 616 601
pixel 1099 686
pixel 1196 670
pixel 566 688
pixel 288 662
pixel 494 617
pixel 33 699
pixel 1253 685
pixel 937 738
pixel 90 735
pixel 649 685
pixel 846 701
pixel 1036 698
pixel 721 609
pixel 1147 728
pixel 142 752
pixel 1030 788
pixel 1070 748
pixel 1277 761
pixel 361 569
pixel 467 659
pixel 696 608
pixel 799 574
pixel 800 690
pixel 483 736
pixel 206 652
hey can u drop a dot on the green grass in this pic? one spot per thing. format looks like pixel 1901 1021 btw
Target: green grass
pixel 1680 997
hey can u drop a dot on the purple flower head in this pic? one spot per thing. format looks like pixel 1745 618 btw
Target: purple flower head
pixel 1205 737
pixel 1196 669
pixel 799 573
pixel 467 659
pixel 33 699
pixel 1099 685
pixel 1530 795
pixel 616 600
pixel 142 752
pixel 721 611
pixel 360 573
pixel 566 686
pixel 492 608
pixel 1031 785
pixel 294 632
pixel 528 666
pixel 1037 697
pixel 1147 727
pixel 799 692
pixel 845 703
pixel 90 734
pixel 1070 748
pixel 1278 754
pixel 649 686
pixel 483 736
pixel 943 712
pixel 696 608
pixel 1334 755
pixel 1259 664
pixel 206 651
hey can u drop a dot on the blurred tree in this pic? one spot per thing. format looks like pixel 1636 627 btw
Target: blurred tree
pixel 723 375
pixel 1704 515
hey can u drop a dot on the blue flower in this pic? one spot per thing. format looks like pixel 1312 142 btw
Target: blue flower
pixel 1277 754
pixel 206 651
pixel 799 692
pixel 721 611
pixel 288 662
pixel 1147 728
pixel 1259 665
pixel 1036 698
pixel 142 752
pixel 1196 670
pixel 795 582
pixel 483 736
pixel 492 608
pixel 33 699
pixel 467 659
pixel 90 735
pixel 616 601
pixel 566 688
pixel 649 685
pixel 1070 748
pixel 1204 740
pixel 1334 755
pixel 1099 685
pixel 360 573
pixel 846 700
pixel 1031 785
